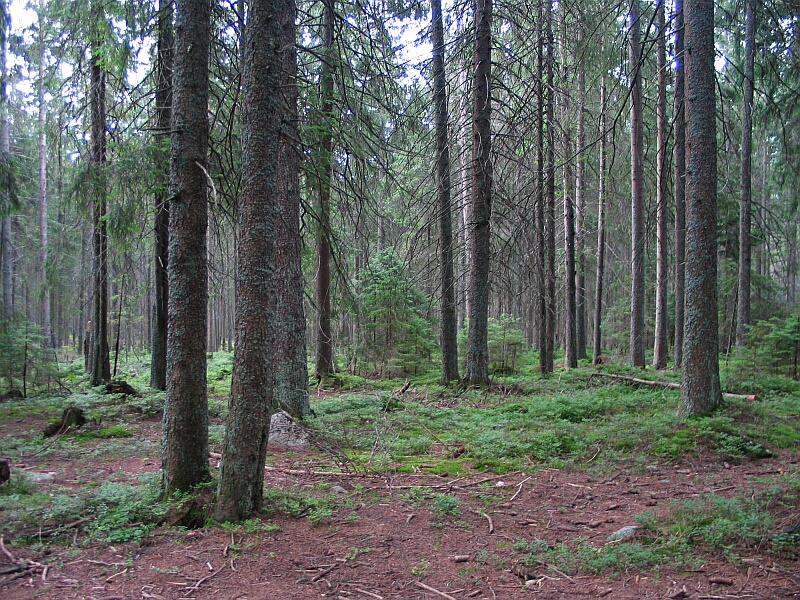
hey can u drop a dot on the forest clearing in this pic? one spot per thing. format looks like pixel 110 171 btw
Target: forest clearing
pixel 515 491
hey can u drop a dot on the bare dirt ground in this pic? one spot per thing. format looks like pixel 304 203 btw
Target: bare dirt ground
pixel 381 542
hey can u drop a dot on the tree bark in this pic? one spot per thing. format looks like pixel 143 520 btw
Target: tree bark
pixel 701 387
pixel 241 480
pixel 44 306
pixel 570 315
pixel 291 363
pixel 442 160
pixel 550 193
pixel 679 158
pixel 637 192
pixel 6 240
pixel 163 116
pixel 184 456
pixel 324 174
pixel 745 198
pixel 601 229
pixel 580 211
pixel 662 265
pixel 545 366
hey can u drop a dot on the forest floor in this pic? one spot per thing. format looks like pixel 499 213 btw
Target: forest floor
pixel 540 533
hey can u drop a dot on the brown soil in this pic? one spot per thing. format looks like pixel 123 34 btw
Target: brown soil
pixel 380 544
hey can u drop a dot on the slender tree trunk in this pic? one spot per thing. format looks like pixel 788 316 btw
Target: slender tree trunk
pixel 100 360
pixel 550 193
pixel 477 370
pixel 679 158
pixel 541 237
pixel 44 290
pixel 163 116
pixel 324 176
pixel 700 388
pixel 580 210
pixel 745 210
pixel 662 265
pixel 6 240
pixel 241 480
pixel 570 316
pixel 291 363
pixel 442 161
pixel 184 455
pixel 601 229
pixel 637 192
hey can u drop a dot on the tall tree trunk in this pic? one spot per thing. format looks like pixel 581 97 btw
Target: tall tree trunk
pixel 570 316
pixel 163 116
pixel 290 360
pixel 540 227
pixel 580 210
pixel 700 388
pixel 44 290
pixel 679 158
pixel 477 370
pixel 324 174
pixel 442 160
pixel 6 240
pixel 99 360
pixel 745 199
pixel 662 266
pixel 184 457
pixel 241 480
pixel 637 192
pixel 550 191
pixel 601 229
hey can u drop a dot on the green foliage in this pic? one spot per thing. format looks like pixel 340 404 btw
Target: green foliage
pixel 397 335
pixel 447 504
pixel 505 343
pixel 23 360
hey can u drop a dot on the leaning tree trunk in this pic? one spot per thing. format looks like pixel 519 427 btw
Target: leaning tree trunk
pixel 745 199
pixel 163 116
pixel 99 360
pixel 701 387
pixel 290 362
pixel 662 266
pixel 637 193
pixel 184 456
pixel 679 157
pixel 601 230
pixel 241 480
pixel 324 175
pixel 442 161
pixel 477 370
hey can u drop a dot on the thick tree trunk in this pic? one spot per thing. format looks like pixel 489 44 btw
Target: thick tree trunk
pixel 477 370
pixel 290 360
pixel 637 192
pixel 662 266
pixel 163 116
pixel 442 160
pixel 601 230
pixel 679 158
pixel 324 174
pixel 745 210
pixel 701 387
pixel 99 360
pixel 184 456
pixel 241 480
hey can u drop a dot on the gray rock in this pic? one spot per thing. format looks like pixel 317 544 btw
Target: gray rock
pixel 623 534
pixel 338 489
pixel 284 431
pixel 42 477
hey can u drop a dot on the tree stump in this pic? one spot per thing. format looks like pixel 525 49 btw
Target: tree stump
pixel 71 417
pixel 5 470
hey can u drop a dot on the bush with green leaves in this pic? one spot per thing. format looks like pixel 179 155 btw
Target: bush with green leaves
pixel 505 343
pixel 24 362
pixel 397 336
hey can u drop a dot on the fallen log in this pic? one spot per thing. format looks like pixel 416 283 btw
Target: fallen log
pixel 668 385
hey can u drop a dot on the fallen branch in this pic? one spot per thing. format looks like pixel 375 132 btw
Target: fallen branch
pixel 668 385
pixel 434 590
pixel 488 518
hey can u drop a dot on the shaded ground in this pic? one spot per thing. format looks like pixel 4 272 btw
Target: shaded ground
pixel 408 536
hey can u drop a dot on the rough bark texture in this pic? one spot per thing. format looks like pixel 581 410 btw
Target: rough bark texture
pixel 637 192
pixel 448 339
pixel 5 155
pixel 662 266
pixel 163 117
pixel 324 173
pixel 745 198
pixel 601 230
pixel 290 361
pixel 570 316
pixel 550 194
pixel 241 480
pixel 701 387
pixel 679 158
pixel 541 244
pixel 99 360
pixel 477 370
pixel 185 446
pixel 44 302
pixel 580 211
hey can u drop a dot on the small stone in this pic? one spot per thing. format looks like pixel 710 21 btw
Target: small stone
pixel 623 534
pixel 531 583
pixel 500 484
pixel 338 489
pixel 42 477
